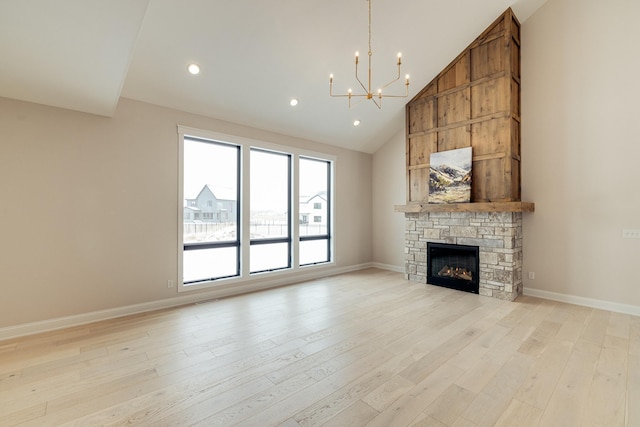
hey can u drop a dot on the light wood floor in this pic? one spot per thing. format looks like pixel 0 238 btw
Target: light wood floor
pixel 365 348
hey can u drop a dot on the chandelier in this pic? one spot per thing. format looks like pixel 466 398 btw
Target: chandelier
pixel 377 97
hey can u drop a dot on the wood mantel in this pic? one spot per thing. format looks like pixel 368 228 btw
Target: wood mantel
pixel 467 207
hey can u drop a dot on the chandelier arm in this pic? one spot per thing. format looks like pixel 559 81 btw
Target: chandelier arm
pixel 359 81
pixel 336 95
pixel 390 83
pixel 394 80
pixel 346 95
pixel 397 96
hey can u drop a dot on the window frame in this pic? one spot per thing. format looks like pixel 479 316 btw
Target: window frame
pixel 277 240
pixel 243 212
pixel 213 245
pixel 329 211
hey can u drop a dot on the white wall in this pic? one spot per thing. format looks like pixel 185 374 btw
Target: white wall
pixel 580 93
pixel 88 219
pixel 389 189
pixel 580 149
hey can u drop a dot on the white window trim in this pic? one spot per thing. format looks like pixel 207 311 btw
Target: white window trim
pixel 246 144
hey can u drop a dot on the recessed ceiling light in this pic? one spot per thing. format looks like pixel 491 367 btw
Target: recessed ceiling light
pixel 293 102
pixel 356 122
pixel 194 69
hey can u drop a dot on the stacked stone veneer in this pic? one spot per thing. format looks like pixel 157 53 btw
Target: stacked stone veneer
pixel 498 235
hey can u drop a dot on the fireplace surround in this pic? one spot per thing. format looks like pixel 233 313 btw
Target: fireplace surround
pixel 498 236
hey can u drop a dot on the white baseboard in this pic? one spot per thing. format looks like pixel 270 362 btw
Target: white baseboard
pixel 587 302
pixel 182 299
pixel 389 267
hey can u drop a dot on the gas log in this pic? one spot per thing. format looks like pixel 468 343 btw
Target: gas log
pixel 455 273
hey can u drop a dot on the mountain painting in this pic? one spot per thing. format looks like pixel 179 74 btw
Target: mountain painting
pixel 450 176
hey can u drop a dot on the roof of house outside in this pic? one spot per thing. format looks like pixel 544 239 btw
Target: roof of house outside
pixel 307 199
pixel 220 193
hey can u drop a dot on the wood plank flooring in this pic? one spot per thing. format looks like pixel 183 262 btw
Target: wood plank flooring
pixel 361 349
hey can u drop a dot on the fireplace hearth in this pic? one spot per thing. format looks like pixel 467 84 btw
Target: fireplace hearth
pixel 453 266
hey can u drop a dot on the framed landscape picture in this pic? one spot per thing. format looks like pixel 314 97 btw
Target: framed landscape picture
pixel 450 176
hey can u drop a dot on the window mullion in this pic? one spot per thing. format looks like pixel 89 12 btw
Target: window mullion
pixel 295 212
pixel 245 220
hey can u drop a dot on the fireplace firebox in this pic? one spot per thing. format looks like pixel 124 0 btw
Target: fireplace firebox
pixel 453 266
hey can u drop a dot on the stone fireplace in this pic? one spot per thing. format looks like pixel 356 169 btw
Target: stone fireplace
pixel 498 236
pixel 473 102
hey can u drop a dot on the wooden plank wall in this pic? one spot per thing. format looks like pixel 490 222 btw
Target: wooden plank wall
pixel 473 102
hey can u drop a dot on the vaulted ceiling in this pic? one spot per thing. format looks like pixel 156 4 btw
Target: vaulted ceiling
pixel 255 55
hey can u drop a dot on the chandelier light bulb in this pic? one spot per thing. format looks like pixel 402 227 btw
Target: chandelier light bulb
pixel 293 102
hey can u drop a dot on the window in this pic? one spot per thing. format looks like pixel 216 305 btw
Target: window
pixel 315 181
pixel 210 249
pixel 270 207
pixel 239 201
